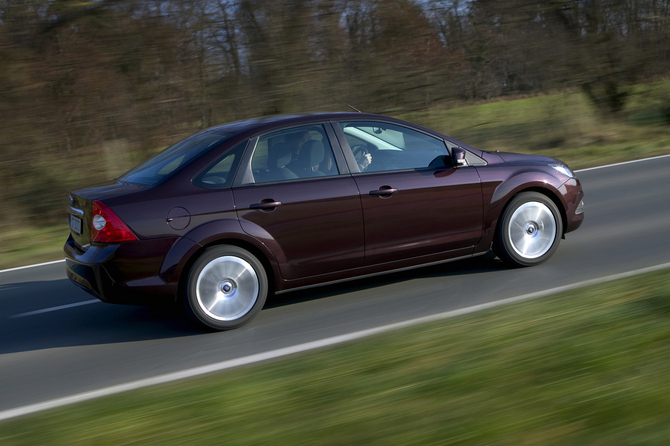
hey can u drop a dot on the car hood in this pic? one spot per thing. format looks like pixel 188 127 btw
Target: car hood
pixel 523 158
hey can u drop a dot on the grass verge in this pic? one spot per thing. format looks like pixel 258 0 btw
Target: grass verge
pixel 25 246
pixel 562 126
pixel 586 367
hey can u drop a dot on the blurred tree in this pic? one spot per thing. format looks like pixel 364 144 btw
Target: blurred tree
pixel 113 80
pixel 408 57
pixel 277 41
pixel 601 39
pixel 601 46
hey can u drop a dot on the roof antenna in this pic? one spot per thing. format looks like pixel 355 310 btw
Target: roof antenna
pixel 338 100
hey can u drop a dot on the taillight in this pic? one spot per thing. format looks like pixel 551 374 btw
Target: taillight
pixel 107 227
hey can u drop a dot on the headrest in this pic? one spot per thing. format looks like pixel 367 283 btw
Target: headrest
pixel 313 151
pixel 279 155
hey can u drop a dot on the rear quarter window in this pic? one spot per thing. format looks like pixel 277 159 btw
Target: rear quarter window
pixel 219 174
pixel 174 158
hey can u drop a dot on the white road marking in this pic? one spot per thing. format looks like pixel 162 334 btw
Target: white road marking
pixel 621 164
pixel 274 354
pixel 60 307
pixel 30 266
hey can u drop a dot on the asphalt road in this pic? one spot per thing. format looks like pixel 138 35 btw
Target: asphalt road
pixel 52 354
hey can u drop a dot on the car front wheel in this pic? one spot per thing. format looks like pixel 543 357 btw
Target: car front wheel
pixel 529 230
pixel 226 288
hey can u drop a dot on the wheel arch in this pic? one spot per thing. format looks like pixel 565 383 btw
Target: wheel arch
pixel 188 248
pixel 498 199
pixel 502 244
pixel 232 241
pixel 553 196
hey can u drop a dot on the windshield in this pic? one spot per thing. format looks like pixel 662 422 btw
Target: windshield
pixel 174 158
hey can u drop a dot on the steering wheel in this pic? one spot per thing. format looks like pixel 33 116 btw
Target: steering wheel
pixel 362 156
pixel 359 151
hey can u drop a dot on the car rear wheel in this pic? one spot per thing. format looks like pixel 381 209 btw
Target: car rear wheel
pixel 529 230
pixel 226 288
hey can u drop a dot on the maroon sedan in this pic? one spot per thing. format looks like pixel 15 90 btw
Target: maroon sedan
pixel 233 213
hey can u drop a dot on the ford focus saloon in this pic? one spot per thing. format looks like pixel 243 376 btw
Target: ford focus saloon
pixel 229 215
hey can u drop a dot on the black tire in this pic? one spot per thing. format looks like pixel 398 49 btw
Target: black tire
pixel 529 230
pixel 226 288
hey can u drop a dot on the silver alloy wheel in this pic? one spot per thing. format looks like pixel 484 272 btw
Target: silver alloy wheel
pixel 227 288
pixel 532 230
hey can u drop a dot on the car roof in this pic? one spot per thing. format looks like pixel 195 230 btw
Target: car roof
pixel 278 120
pixel 250 127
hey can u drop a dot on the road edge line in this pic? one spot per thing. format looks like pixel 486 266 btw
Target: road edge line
pixel 300 348
pixel 622 163
pixel 31 266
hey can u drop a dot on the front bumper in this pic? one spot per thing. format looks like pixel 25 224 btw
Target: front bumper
pixel 574 204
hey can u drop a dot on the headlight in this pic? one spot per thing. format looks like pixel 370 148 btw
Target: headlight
pixel 565 170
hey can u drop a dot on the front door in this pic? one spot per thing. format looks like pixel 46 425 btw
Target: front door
pixel 414 201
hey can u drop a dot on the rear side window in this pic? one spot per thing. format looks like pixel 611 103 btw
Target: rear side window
pixel 219 174
pixel 174 158
pixel 295 153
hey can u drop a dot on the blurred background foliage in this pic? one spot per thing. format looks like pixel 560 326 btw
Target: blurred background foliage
pixel 90 88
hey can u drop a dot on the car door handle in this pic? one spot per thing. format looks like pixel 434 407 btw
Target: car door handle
pixel 265 205
pixel 384 191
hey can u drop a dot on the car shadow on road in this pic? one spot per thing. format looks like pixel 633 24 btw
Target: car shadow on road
pixel 476 265
pixel 90 323
pixel 97 323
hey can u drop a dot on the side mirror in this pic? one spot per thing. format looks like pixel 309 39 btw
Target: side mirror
pixel 459 157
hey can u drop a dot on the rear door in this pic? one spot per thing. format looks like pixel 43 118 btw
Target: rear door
pixel 309 215
pixel 414 201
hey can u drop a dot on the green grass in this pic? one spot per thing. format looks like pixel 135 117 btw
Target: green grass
pixel 586 367
pixel 563 126
pixel 25 246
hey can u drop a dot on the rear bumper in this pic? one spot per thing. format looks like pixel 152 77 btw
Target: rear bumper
pixel 134 280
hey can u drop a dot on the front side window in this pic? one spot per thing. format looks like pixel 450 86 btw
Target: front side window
pixel 379 146
pixel 295 153
pixel 174 158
